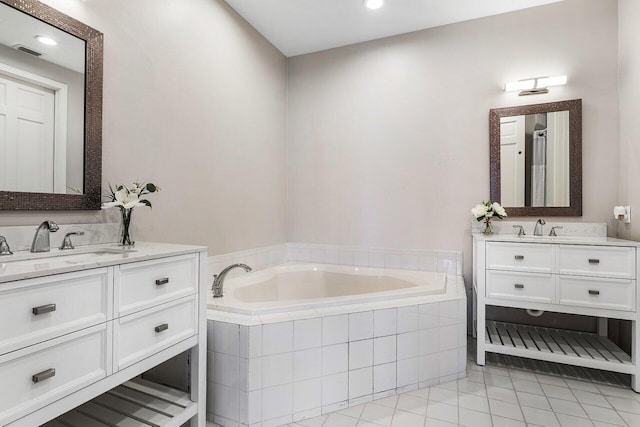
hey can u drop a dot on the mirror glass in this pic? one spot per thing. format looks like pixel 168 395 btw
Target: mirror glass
pixel 42 106
pixel 534 160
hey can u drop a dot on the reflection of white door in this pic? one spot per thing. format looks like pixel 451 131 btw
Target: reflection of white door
pixel 558 159
pixel 26 137
pixel 512 161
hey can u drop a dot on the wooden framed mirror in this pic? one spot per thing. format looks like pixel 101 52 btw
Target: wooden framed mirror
pixel 536 159
pixel 50 109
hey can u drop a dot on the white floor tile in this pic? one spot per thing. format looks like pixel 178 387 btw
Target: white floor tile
pixel 442 411
pixel 597 413
pixel 439 394
pixel 625 404
pixel 506 422
pixel 502 394
pixel 407 419
pixel 476 403
pixel 471 418
pixel 533 400
pixel 338 420
pixel 558 392
pixel 591 398
pixel 567 407
pixel 527 386
pixel 540 417
pixel 571 421
pixel 506 410
pixel 412 404
pixel 377 414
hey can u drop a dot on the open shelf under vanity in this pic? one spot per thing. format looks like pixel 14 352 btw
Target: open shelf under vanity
pixel 557 345
pixel 136 403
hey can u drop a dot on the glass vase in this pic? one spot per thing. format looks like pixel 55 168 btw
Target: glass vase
pixel 488 228
pixel 125 228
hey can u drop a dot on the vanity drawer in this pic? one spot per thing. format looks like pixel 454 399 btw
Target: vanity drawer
pixel 534 258
pixel 146 284
pixel 145 333
pixel 39 375
pixel 36 310
pixel 600 261
pixel 532 287
pixel 613 294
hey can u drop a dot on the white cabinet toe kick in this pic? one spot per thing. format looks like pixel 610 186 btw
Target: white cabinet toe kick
pixel 596 277
pixel 74 344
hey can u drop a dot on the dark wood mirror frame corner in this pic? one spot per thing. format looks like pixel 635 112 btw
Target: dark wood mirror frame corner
pixel 91 197
pixel 575 154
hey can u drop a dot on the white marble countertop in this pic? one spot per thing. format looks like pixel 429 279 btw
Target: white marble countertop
pixel 565 240
pixel 24 265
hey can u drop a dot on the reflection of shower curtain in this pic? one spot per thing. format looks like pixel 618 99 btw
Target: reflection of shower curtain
pixel 539 168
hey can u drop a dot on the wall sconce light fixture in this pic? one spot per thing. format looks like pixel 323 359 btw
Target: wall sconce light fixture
pixel 535 86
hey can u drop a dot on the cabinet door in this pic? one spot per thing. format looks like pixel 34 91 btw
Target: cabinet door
pixel 36 310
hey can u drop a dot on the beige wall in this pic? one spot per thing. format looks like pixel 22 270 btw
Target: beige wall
pixel 629 89
pixel 195 101
pixel 388 140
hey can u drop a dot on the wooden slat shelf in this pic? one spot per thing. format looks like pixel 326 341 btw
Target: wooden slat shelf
pixel 136 403
pixel 557 345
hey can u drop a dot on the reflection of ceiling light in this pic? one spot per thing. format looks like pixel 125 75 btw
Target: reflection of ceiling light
pixel 46 40
pixel 374 4
pixel 535 86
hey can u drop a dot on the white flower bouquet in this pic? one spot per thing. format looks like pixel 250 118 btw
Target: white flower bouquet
pixel 126 199
pixel 486 211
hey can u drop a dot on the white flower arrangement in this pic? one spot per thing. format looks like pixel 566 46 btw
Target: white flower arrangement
pixel 129 197
pixel 486 211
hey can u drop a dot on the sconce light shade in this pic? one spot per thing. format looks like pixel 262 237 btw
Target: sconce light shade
pixel 536 85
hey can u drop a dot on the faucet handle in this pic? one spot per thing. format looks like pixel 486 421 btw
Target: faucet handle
pixel 4 247
pixel 67 243
pixel 552 233
pixel 520 230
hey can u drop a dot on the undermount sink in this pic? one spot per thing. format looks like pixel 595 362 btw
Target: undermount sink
pixel 72 256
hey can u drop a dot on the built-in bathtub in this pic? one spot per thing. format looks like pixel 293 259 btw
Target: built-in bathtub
pixel 293 287
pixel 294 341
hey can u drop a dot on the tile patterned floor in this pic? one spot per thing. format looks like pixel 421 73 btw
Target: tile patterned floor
pixel 496 396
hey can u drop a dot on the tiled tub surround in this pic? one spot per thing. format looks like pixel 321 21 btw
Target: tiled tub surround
pixel 274 369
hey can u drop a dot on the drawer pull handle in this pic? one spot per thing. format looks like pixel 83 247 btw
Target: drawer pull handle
pixel 594 261
pixel 43 309
pixel 44 375
pixel 162 327
pixel 161 282
pixel 592 292
pixel 519 286
pixel 519 257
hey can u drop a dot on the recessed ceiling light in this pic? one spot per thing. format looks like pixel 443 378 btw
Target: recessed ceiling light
pixel 374 4
pixel 46 40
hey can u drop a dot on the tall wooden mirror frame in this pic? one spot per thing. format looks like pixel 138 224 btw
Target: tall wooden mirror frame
pixel 575 156
pixel 91 197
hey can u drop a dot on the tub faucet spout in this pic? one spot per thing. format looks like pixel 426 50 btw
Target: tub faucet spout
pixel 218 279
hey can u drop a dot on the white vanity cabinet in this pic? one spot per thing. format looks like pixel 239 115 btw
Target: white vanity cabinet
pixel 591 276
pixel 75 338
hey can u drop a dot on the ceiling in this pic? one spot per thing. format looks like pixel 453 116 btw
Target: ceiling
pixel 297 27
pixel 20 28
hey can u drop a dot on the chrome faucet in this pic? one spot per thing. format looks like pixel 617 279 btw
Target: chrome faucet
pixel 4 247
pixel 538 230
pixel 41 241
pixel 67 243
pixel 553 233
pixel 218 279
pixel 521 232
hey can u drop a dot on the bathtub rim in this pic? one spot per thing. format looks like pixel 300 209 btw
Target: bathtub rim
pixel 455 290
